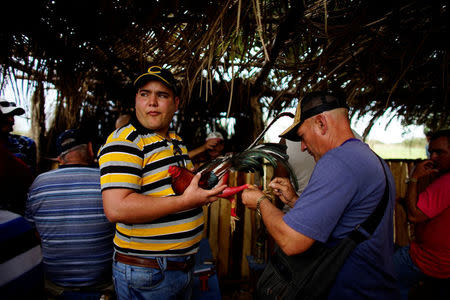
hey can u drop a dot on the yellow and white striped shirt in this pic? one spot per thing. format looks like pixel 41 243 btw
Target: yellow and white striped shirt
pixel 134 157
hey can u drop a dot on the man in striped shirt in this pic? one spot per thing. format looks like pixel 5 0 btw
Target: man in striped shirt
pixel 157 232
pixel 65 205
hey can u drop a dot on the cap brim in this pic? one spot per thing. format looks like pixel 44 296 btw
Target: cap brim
pixel 143 79
pixel 291 132
pixel 13 111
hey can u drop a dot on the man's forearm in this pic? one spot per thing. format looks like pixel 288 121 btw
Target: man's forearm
pixel 414 213
pixel 197 151
pixel 421 170
pixel 137 208
pixel 127 206
pixel 289 240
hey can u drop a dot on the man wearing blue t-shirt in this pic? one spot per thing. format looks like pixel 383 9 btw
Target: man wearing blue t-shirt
pixel 346 185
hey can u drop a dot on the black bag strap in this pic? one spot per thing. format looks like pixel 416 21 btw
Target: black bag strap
pixel 372 222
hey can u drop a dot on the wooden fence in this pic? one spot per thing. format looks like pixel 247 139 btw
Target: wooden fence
pixel 231 248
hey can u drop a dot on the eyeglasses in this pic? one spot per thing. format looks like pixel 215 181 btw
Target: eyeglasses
pixel 177 151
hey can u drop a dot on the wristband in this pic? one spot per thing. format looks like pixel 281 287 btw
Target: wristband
pixel 412 179
pixel 258 204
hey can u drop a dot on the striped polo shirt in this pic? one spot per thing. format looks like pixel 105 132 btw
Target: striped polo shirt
pixel 66 207
pixel 137 158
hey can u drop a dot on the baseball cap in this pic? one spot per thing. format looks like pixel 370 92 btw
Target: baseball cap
pixel 68 140
pixel 8 108
pixel 160 74
pixel 312 104
pixel 214 135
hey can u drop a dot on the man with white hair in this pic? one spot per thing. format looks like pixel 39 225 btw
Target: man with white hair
pixel 347 184
pixel 65 205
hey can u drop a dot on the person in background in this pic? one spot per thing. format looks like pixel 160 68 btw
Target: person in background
pixel 157 232
pixel 211 149
pixel 20 253
pixel 21 146
pixel 21 269
pixel 65 206
pixel 15 179
pixel 302 162
pixel 122 120
pixel 347 183
pixel 429 254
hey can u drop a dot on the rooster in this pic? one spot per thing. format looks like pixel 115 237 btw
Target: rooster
pixel 249 160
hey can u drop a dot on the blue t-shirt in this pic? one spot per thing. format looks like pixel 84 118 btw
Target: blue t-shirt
pixel 345 187
pixel 24 148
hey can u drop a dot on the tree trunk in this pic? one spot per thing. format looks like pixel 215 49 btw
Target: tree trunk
pixel 257 118
pixel 38 123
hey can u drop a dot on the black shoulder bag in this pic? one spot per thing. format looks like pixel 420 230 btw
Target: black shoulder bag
pixel 311 274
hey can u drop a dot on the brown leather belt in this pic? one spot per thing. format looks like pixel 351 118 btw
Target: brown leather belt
pixel 153 263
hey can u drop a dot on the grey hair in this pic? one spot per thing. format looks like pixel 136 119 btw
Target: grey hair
pixel 82 150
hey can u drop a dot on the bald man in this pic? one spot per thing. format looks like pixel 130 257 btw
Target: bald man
pixel 347 183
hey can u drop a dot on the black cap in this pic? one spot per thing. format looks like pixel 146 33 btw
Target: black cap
pixel 68 140
pixel 160 74
pixel 312 104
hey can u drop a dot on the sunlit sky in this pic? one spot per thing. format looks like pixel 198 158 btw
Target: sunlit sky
pixel 394 133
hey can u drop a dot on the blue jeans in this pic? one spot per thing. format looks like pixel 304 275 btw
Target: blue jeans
pixel 408 273
pixel 133 282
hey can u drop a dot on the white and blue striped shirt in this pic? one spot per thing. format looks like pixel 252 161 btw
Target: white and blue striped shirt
pixel 77 239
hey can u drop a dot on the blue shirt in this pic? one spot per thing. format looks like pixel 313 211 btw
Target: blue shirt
pixel 67 209
pixel 345 187
pixel 24 148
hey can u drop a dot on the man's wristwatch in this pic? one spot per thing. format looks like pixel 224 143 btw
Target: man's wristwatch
pixel 258 204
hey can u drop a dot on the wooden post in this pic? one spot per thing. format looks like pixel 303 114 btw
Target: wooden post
pixel 401 231
pixel 247 232
pixel 214 228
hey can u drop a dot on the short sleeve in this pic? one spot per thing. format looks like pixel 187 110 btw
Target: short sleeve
pixel 120 164
pixel 322 203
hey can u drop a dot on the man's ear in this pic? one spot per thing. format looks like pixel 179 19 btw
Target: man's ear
pixel 322 123
pixel 177 102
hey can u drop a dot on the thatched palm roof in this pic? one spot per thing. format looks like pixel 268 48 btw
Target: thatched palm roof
pixel 233 57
